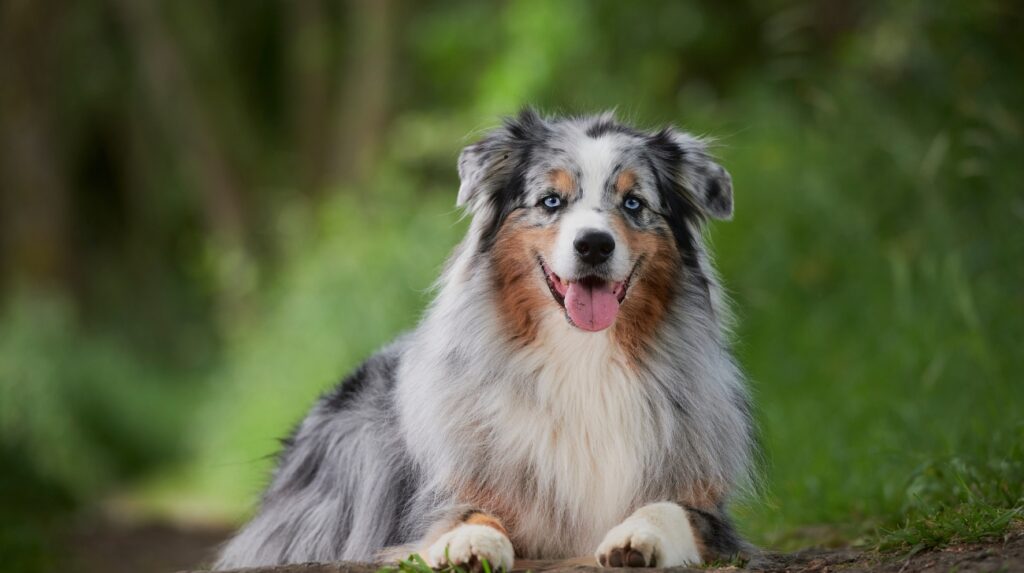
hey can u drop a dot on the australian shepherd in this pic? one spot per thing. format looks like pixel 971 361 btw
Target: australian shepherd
pixel 569 392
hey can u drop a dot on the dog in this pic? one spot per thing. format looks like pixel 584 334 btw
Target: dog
pixel 569 392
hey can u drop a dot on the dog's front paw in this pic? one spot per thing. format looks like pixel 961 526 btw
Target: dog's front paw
pixel 656 535
pixel 468 545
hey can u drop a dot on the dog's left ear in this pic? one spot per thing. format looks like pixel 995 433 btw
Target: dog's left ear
pixel 685 160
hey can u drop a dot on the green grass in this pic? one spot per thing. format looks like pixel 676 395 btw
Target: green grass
pixel 961 500
pixel 416 564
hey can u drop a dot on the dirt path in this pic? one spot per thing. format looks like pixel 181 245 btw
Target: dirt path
pixel 101 547
pixel 1006 555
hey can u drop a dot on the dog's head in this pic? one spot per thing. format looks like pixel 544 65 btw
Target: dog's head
pixel 589 217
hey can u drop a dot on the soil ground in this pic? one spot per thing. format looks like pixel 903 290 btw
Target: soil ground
pixel 100 546
pixel 157 548
pixel 1006 555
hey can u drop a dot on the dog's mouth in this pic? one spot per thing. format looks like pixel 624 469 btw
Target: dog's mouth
pixel 591 303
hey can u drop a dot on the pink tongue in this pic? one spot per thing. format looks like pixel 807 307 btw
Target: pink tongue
pixel 591 307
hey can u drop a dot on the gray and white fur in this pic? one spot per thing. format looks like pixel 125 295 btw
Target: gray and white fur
pixel 575 442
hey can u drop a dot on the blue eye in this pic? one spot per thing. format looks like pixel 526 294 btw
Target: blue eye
pixel 632 204
pixel 551 202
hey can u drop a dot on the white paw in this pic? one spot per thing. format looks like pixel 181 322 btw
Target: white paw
pixel 656 535
pixel 468 544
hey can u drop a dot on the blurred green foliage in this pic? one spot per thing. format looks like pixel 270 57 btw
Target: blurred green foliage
pixel 191 305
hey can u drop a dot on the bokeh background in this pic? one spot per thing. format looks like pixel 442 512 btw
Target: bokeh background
pixel 211 210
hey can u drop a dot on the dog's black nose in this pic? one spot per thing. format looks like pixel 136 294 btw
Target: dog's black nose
pixel 594 247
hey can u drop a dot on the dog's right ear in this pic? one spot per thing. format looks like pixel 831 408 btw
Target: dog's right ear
pixel 487 166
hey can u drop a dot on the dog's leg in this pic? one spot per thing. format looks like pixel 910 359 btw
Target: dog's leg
pixel 668 534
pixel 473 538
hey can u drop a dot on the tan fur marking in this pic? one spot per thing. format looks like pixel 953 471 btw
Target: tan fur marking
pixel 437 530
pixel 702 548
pixel 625 181
pixel 703 495
pixel 518 280
pixel 503 509
pixel 480 518
pixel 563 182
pixel 650 291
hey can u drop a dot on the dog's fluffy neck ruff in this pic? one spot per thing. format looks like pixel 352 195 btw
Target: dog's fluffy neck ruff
pixel 567 418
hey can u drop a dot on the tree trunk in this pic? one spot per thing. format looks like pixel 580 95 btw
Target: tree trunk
pixel 310 90
pixel 364 104
pixel 185 122
pixel 34 197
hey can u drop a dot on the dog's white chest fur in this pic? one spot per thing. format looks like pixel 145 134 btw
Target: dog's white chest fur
pixel 585 430
pixel 561 436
